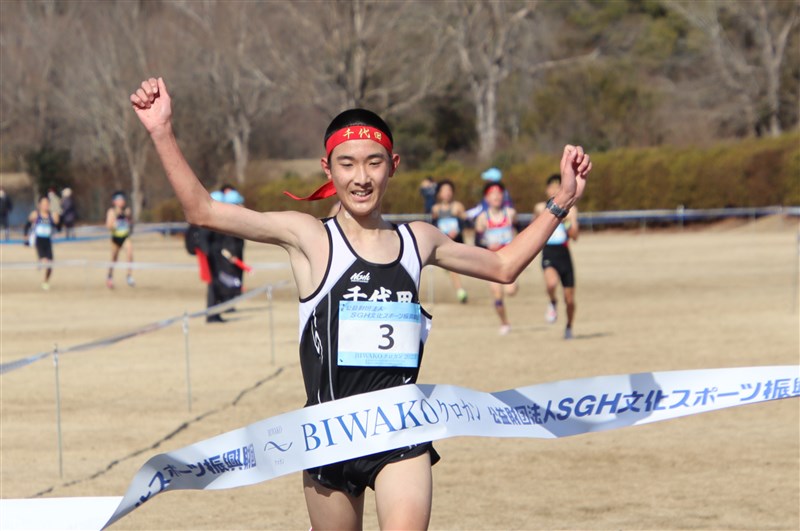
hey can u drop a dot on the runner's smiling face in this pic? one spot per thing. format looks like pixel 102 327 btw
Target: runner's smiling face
pixel 494 197
pixel 446 193
pixel 360 170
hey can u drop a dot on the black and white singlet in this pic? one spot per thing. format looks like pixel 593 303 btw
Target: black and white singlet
pixel 363 329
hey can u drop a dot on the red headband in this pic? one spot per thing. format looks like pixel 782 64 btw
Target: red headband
pixel 358 132
pixel 354 132
pixel 492 187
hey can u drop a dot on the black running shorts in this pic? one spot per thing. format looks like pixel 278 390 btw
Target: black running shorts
pixel 44 248
pixel 558 257
pixel 355 475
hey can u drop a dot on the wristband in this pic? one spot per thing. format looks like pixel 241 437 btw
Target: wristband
pixel 556 210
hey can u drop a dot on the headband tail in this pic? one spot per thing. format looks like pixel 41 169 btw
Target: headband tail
pixel 326 190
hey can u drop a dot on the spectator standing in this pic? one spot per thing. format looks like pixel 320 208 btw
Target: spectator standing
pixel 427 189
pixel 232 251
pixel 6 205
pixel 55 201
pixel 69 215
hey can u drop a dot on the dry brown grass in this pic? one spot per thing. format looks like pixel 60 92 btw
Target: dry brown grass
pixel 647 302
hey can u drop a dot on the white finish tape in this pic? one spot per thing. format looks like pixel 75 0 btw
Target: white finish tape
pixel 401 416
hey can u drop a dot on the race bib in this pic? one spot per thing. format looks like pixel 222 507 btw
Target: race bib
pixel 379 334
pixel 498 236
pixel 447 225
pixel 122 228
pixel 43 230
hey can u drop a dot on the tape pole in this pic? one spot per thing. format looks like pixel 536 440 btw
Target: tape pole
pixel 58 413
pixel 188 362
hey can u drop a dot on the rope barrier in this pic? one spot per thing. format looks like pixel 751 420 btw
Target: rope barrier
pixel 150 327
pixel 159 266
pixel 610 217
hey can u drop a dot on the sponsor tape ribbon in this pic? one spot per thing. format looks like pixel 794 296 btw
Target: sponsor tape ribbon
pixel 411 414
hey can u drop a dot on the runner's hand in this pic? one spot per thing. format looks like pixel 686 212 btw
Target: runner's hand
pixel 575 167
pixel 152 104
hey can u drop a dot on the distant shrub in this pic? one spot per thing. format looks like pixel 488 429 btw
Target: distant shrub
pixel 747 173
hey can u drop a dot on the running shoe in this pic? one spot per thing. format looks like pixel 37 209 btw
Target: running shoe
pixel 131 282
pixel 504 330
pixel 462 296
pixel 110 283
pixel 568 333
pixel 45 286
pixel 550 315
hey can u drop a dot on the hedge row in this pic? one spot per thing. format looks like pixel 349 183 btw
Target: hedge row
pixel 747 173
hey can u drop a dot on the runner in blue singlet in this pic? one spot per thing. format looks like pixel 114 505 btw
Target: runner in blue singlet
pixel 119 220
pixel 449 215
pixel 557 261
pixel 43 225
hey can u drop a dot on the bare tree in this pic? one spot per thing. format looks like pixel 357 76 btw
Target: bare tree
pixel 31 39
pixel 494 39
pixel 385 55
pixel 236 72
pixel 748 46
pixel 485 34
pixel 108 59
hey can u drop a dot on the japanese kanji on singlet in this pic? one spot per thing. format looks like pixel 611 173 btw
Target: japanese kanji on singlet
pixel 363 329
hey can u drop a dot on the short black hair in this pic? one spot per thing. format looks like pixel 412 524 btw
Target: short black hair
pixel 445 182
pixel 555 178
pixel 357 117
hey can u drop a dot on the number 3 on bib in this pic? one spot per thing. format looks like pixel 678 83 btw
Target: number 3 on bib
pixel 379 334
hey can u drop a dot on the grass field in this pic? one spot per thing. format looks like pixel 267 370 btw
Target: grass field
pixel 722 296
